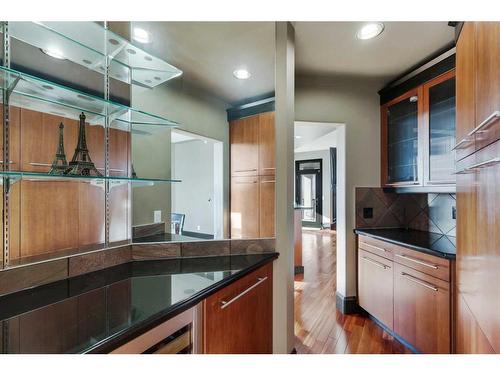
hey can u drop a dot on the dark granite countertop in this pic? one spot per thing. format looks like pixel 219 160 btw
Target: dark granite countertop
pixel 99 311
pixel 426 242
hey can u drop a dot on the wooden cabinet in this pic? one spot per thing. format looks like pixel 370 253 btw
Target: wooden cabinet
pixel 244 136
pixel 245 218
pixel 267 139
pixel 478 212
pixel 422 310
pixel 252 176
pixel 465 90
pixel 375 286
pixel 487 83
pixel 238 318
pixel 411 295
pixel 418 135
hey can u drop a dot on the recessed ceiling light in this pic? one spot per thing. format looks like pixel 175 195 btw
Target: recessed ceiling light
pixel 241 74
pixel 141 35
pixel 370 30
pixel 54 52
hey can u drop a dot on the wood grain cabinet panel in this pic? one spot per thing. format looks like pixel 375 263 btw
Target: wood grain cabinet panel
pixel 422 310
pixel 428 264
pixel 465 90
pixel 244 138
pixel 40 138
pixel 487 82
pixel 245 207
pixel 15 138
pixel 48 216
pixel 266 206
pixel 238 318
pixel 375 286
pixel 267 140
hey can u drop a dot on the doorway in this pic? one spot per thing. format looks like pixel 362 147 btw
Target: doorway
pixel 309 191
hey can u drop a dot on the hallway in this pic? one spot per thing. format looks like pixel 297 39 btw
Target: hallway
pixel 319 327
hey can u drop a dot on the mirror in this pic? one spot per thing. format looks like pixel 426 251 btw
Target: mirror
pixel 204 100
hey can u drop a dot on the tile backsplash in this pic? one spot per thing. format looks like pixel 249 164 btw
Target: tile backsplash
pixel 430 212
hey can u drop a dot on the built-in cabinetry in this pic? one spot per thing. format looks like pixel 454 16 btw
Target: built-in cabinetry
pixel 409 292
pixel 238 318
pixel 418 135
pixel 478 177
pixel 253 176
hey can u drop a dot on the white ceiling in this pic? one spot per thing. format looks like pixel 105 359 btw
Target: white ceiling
pixel 209 52
pixel 308 134
pixel 331 48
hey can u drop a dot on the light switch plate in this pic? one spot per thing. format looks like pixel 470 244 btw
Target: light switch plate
pixel 157 216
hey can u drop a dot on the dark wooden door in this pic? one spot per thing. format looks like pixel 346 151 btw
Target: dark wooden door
pixel 238 318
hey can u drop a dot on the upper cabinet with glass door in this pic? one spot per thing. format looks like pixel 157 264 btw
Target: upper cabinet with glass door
pixel 418 137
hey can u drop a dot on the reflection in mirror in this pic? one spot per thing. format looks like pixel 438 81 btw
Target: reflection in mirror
pixel 227 80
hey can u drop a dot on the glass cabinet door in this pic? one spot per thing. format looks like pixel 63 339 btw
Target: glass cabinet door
pixel 441 158
pixel 402 141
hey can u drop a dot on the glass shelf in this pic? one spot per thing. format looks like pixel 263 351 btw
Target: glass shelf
pixel 18 175
pixel 88 43
pixel 44 96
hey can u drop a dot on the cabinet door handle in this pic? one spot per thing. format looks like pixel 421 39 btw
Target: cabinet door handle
pixel 463 142
pixel 267 181
pixel 225 304
pixel 484 163
pixel 246 170
pixel 245 182
pixel 374 247
pixel 10 161
pixel 418 281
pixel 485 124
pixel 433 266
pixel 374 262
pixel 270 168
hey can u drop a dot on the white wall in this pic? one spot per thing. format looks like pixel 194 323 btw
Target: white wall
pixel 193 163
pixel 354 102
pixel 324 155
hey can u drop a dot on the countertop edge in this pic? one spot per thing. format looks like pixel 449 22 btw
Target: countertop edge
pixel 121 338
pixel 405 244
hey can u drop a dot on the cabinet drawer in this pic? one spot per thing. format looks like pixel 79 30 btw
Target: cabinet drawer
pixel 428 264
pixel 375 286
pixel 377 247
pixel 422 310
pixel 238 318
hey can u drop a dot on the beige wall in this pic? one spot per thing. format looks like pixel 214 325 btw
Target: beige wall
pixel 197 112
pixel 354 102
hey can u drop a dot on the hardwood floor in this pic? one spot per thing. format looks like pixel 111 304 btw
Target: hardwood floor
pixel 319 327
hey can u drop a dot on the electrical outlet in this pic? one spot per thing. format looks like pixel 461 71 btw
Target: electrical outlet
pixel 157 216
pixel 367 212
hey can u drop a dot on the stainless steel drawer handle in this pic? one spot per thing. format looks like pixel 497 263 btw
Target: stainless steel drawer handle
pixel 374 247
pixel 374 262
pixel 418 281
pixel 484 164
pixel 246 170
pixel 245 182
pixel 40 164
pixel 272 169
pixel 462 143
pixel 10 161
pixel 485 124
pixel 267 181
pixel 225 304
pixel 433 266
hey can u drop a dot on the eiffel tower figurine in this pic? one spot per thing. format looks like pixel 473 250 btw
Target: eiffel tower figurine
pixel 81 164
pixel 59 165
